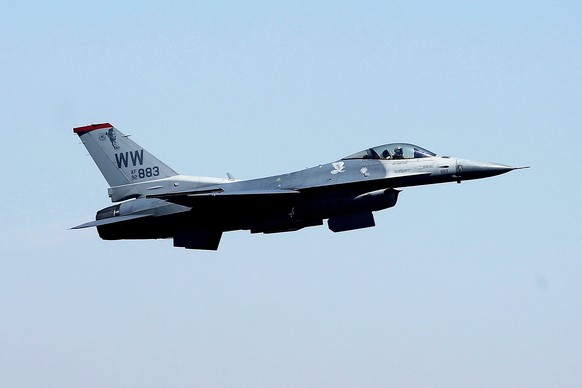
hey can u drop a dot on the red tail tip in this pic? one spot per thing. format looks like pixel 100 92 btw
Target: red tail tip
pixel 91 127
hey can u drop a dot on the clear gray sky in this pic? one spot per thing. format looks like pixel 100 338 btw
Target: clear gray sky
pixel 477 284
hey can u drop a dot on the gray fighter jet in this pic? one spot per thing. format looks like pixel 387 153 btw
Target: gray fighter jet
pixel 154 201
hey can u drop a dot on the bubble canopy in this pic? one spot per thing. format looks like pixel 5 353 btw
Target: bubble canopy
pixel 393 151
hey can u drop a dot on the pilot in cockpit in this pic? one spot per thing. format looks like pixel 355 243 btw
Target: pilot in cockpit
pixel 386 155
pixel 398 154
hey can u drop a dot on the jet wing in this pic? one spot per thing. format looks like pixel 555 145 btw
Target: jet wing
pixel 221 195
pixel 245 193
pixel 262 197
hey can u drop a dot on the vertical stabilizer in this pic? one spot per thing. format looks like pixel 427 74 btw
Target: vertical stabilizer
pixel 120 159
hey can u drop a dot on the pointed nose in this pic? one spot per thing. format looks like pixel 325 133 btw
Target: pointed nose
pixel 471 169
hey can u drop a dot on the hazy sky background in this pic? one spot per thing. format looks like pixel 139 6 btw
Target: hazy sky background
pixel 477 284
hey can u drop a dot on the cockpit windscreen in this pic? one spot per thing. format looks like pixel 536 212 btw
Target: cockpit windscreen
pixel 393 151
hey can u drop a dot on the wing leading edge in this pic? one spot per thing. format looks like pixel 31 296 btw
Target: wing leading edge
pixel 221 195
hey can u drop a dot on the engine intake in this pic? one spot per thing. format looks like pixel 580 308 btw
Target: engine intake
pixel 376 200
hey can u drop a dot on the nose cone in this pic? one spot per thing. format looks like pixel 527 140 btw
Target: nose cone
pixel 471 169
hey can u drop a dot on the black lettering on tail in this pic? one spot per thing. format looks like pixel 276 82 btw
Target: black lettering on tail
pixel 122 158
pixel 137 156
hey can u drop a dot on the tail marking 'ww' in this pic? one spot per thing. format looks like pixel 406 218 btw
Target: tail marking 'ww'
pixel 121 160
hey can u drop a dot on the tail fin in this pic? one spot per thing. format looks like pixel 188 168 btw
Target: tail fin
pixel 120 160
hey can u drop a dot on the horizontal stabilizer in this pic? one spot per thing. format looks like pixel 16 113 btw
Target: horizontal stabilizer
pixel 110 220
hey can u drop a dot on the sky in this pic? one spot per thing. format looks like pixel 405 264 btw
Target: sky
pixel 476 284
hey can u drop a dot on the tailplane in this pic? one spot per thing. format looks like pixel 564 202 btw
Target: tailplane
pixel 120 159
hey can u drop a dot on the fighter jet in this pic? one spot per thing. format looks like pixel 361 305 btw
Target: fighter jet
pixel 153 201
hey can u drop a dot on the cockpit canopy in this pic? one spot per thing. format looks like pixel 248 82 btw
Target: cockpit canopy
pixel 393 151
